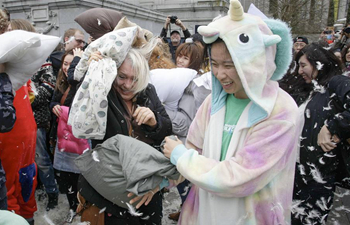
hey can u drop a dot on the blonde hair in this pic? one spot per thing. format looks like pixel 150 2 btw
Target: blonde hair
pixel 3 21
pixel 21 24
pixel 161 57
pixel 140 67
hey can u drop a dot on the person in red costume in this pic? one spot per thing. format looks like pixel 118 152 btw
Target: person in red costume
pixel 17 153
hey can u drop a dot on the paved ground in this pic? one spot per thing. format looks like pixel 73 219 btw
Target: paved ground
pixel 171 204
pixel 340 214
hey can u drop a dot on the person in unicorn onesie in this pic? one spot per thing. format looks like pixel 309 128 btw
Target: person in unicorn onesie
pixel 240 152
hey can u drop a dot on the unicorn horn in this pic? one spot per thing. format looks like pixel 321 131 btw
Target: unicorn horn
pixel 236 10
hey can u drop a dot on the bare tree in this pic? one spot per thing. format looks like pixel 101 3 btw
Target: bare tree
pixel 303 16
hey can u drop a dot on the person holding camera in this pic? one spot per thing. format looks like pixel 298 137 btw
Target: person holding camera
pixel 175 37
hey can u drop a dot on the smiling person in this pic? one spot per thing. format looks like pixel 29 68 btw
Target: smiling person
pixel 323 133
pixel 241 146
pixel 132 109
pixel 67 148
pixel 73 38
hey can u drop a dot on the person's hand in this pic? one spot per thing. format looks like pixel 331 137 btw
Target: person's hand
pixel 144 115
pixel 179 23
pixel 325 140
pixel 78 52
pixel 96 56
pixel 170 145
pixel 57 110
pixel 167 22
pixel 145 199
pixel 2 67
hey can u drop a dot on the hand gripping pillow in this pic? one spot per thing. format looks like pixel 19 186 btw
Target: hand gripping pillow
pixel 170 84
pixel 123 164
pixel 88 114
pixel 24 52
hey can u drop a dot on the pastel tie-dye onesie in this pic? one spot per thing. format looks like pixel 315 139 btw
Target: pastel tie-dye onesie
pixel 254 184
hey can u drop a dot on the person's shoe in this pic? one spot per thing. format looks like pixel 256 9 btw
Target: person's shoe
pixel 70 216
pixel 52 203
pixel 174 216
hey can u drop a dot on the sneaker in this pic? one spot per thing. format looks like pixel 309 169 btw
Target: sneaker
pixel 53 199
pixel 70 216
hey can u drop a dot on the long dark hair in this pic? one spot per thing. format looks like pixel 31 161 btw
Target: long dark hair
pixel 62 82
pixel 316 54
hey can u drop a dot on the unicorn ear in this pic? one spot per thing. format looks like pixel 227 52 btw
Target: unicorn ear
pixel 284 47
pixel 271 39
pixel 210 34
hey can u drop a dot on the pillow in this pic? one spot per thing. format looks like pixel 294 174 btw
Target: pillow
pixel 170 84
pixel 24 52
pixel 124 22
pixel 98 21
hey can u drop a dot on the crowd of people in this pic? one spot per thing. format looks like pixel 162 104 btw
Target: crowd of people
pixel 250 125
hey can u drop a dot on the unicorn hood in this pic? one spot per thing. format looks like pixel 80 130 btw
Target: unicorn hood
pixel 261 51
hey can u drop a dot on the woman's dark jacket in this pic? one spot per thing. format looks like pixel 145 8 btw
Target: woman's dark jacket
pixel 333 109
pixel 117 124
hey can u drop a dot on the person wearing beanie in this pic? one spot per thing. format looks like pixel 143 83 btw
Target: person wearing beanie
pixel 299 43
pixel 175 37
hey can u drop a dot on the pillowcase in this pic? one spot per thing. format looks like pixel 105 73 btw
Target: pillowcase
pixel 98 21
pixel 170 84
pixel 24 52
pixel 124 22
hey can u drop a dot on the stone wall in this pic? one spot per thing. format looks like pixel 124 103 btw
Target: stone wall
pixel 55 16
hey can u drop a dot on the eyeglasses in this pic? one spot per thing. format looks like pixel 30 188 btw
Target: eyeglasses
pixel 80 41
pixel 71 38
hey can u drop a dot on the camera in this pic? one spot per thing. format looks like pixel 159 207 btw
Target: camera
pixel 327 32
pixel 173 19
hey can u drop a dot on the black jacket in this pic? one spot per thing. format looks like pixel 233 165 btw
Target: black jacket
pixel 7 117
pixel 172 48
pixel 323 108
pixel 44 81
pixel 116 124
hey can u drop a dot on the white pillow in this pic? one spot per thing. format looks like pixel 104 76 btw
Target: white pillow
pixel 24 52
pixel 170 84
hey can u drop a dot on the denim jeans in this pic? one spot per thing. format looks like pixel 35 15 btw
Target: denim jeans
pixel 43 161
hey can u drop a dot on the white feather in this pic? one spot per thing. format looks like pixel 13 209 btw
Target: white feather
pixel 95 156
pixel 319 65
pixel 318 88
pixel 316 174
pixel 132 210
pixel 321 161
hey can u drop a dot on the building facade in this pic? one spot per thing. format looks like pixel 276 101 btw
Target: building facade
pixel 55 16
